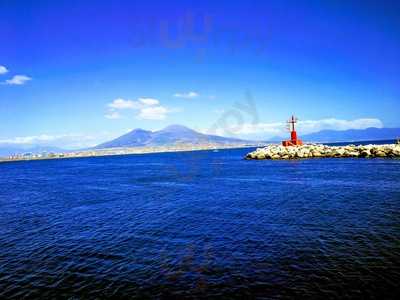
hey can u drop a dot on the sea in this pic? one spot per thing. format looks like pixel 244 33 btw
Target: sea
pixel 199 225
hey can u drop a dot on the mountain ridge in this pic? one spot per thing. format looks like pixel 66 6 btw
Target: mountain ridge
pixel 170 135
pixel 6 150
pixel 350 135
pixel 176 134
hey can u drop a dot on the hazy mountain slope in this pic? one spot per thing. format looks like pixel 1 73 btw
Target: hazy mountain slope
pixel 7 150
pixel 134 138
pixel 369 134
pixel 171 135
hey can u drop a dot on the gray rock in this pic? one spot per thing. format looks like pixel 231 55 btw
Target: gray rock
pixel 308 151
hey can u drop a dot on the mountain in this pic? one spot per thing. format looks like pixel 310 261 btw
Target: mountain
pixel 134 138
pixel 7 149
pixel 171 135
pixel 351 135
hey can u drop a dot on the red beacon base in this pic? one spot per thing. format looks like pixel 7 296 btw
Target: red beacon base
pixel 294 141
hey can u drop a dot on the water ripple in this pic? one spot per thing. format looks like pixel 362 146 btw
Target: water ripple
pixel 175 225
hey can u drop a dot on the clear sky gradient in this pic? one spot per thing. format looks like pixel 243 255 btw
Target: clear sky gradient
pixel 80 72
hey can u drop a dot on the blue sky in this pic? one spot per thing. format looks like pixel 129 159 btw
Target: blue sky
pixel 75 73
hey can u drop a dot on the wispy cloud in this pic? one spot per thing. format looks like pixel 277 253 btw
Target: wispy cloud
pixel 146 108
pixel 3 70
pixel 64 141
pixel 337 124
pixel 153 113
pixel 268 130
pixel 113 115
pixel 149 101
pixel 31 139
pixel 188 95
pixel 18 80
pixel 123 104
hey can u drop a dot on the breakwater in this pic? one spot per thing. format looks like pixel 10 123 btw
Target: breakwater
pixel 320 151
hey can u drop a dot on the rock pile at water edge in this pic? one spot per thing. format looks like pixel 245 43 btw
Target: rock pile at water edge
pixel 319 151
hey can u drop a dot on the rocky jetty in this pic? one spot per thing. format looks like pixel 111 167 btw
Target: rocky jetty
pixel 320 151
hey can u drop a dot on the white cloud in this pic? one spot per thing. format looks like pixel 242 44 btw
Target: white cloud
pixel 64 141
pixel 131 104
pixel 30 139
pixel 149 101
pixel 113 115
pixel 187 95
pixel 18 80
pixel 335 124
pixel 3 70
pixel 153 113
pixel 268 130
pixel 146 108
pixel 123 104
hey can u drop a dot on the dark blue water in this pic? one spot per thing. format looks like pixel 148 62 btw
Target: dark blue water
pixel 199 225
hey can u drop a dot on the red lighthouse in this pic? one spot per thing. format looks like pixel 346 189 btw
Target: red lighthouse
pixel 294 141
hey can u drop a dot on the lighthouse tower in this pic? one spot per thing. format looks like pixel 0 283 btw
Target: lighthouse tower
pixel 294 141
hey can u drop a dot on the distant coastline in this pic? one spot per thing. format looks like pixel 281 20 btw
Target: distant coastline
pixel 123 151
pixel 175 138
pixel 365 142
pixel 159 149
